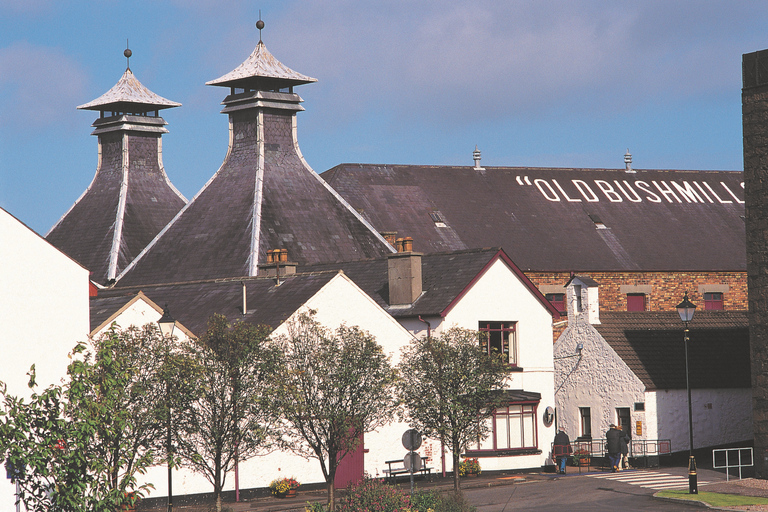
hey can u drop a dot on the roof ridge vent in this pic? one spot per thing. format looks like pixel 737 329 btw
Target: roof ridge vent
pixel 476 157
pixel 628 162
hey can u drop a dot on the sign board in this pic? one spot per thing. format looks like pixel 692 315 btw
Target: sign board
pixel 412 439
pixel 412 461
pixel 13 472
pixel 638 428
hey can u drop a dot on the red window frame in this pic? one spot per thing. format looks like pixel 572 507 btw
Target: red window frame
pixel 500 337
pixel 527 417
pixel 635 302
pixel 713 301
pixel 557 300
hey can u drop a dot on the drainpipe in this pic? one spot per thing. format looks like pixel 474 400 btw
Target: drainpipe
pixel 442 446
pixel 429 327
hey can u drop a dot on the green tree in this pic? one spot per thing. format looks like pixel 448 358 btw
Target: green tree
pixel 334 387
pixel 84 442
pixel 449 387
pixel 230 418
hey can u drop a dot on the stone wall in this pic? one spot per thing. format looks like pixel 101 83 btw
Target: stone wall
pixel 755 130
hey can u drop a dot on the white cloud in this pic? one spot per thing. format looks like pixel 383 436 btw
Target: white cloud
pixel 452 60
pixel 39 86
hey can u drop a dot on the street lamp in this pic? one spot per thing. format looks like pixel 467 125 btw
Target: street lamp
pixel 686 309
pixel 167 324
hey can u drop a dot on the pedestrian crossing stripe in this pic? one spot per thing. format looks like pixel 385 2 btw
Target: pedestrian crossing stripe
pixel 647 479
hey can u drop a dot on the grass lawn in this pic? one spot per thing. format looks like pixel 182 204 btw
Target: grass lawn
pixel 714 499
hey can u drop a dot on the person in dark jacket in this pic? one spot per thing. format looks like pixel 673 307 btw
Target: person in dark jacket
pixel 624 460
pixel 562 449
pixel 613 439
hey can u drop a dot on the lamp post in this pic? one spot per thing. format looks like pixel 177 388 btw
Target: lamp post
pixel 167 323
pixel 686 309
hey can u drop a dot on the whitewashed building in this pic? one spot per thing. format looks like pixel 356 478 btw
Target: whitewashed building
pixel 270 301
pixel 483 290
pixel 628 368
pixel 43 313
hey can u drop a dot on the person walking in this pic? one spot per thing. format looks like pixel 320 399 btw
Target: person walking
pixel 624 460
pixel 613 438
pixel 562 449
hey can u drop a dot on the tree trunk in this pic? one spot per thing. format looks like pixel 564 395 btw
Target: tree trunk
pixel 217 485
pixel 456 484
pixel 331 496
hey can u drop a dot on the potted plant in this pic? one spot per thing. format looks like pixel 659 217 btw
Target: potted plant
pixel 469 467
pixel 131 500
pixel 284 487
pixel 581 457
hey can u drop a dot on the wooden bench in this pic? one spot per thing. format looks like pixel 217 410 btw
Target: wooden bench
pixel 399 469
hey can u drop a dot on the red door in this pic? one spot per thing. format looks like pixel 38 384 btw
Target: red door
pixel 351 467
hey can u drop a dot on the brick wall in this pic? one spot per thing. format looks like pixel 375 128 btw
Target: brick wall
pixel 666 288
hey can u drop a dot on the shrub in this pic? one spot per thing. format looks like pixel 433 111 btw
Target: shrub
pixel 373 496
pixel 314 507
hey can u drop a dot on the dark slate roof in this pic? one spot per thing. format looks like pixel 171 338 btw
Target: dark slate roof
pixel 192 303
pixel 445 276
pixel 651 344
pixel 622 221
pixel 87 231
pixel 263 197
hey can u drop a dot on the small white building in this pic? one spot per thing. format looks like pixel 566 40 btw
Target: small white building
pixel 270 301
pixel 628 368
pixel 43 313
pixel 480 289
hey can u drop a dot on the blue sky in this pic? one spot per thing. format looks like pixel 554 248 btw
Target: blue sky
pixel 531 83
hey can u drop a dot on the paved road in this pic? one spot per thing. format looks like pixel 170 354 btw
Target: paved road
pixel 626 491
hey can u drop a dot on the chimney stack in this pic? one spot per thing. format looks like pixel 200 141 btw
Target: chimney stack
pixel 404 270
pixel 277 264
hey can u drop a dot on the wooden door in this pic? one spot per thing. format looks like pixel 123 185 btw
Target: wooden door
pixel 352 467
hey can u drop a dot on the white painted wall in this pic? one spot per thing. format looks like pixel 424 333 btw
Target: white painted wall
pixel 720 416
pixel 500 295
pixel 599 379
pixel 340 301
pixel 43 313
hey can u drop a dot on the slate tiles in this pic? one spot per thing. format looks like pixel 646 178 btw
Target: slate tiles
pixel 192 303
pixel 651 343
pixel 550 219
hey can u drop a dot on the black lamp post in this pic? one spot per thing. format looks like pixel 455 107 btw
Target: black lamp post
pixel 167 323
pixel 686 309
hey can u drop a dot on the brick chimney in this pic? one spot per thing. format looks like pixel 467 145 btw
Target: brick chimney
pixel 404 269
pixel 277 264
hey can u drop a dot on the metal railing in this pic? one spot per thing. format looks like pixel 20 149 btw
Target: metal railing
pixel 732 458
pixel 585 453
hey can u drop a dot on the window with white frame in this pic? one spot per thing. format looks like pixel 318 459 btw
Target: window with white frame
pixel 499 338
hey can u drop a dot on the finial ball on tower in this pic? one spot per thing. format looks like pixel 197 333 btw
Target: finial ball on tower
pixel 259 24
pixel 127 53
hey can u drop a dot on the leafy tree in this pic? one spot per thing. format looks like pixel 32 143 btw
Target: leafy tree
pixel 334 387
pixel 230 416
pixel 84 442
pixel 451 389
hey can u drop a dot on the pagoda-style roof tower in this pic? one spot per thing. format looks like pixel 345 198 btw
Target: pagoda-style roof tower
pixel 130 198
pixel 263 197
